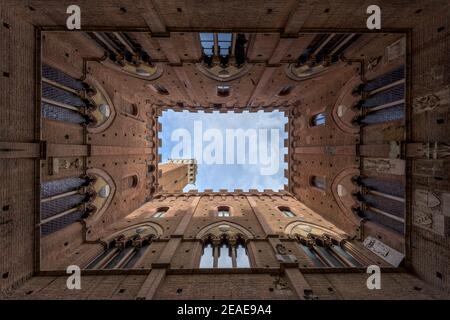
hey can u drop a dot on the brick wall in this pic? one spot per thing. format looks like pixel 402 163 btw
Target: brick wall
pixel 17 190
pixel 428 244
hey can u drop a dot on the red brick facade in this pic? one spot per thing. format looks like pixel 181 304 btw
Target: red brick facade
pixel 323 160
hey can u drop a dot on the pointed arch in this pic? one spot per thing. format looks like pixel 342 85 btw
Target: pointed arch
pixel 104 186
pixel 220 228
pixel 292 228
pixel 125 248
pixel 322 246
pixel 151 226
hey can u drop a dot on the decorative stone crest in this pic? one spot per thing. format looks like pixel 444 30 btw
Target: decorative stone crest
pixel 423 219
pixel 281 249
pixel 426 103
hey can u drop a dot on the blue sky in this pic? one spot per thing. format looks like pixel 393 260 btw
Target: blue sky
pixel 215 176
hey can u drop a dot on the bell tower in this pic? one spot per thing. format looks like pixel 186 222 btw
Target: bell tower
pixel 176 174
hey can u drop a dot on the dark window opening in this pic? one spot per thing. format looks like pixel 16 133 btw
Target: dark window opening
pixel 131 109
pixel 285 91
pixel 287 212
pixel 130 182
pixel 318 182
pixel 223 91
pixel 160 89
pixel 221 46
pixel 161 212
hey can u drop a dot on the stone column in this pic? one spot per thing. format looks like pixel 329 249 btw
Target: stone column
pixel 216 248
pixel 232 243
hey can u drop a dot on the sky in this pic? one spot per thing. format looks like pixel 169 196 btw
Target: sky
pixel 207 138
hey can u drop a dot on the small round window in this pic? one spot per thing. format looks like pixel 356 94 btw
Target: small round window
pixel 105 110
pixel 104 191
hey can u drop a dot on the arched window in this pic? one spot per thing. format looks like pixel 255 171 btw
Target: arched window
pixel 318 120
pixel 130 182
pixel 224 246
pixel 207 259
pixel 223 212
pixel 317 182
pixel 68 200
pixel 285 91
pixel 124 250
pixel 62 97
pixel 322 248
pixel 131 109
pixel 161 212
pixel 223 91
pixel 224 252
pixel 326 252
pixel 324 51
pixel 159 88
pixel 384 98
pixel 287 212
pixel 67 99
pixel 217 48
pixel 216 43
pixel 381 201
pixel 126 54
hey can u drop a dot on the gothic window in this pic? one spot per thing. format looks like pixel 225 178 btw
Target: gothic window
pixel 126 54
pixel 324 251
pixel 242 260
pixel 68 200
pixel 384 98
pixel 381 201
pixel 207 260
pixel 224 259
pixel 223 212
pixel 223 91
pixel 124 250
pixel 161 212
pixel 287 212
pixel 318 119
pixel 322 52
pixel 67 99
pixel 224 252
pixel 317 182
pixel 62 97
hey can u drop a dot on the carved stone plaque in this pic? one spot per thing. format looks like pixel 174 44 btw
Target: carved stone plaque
pixel 384 251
